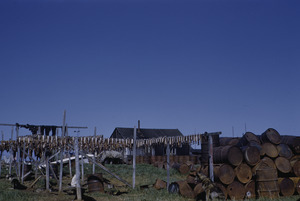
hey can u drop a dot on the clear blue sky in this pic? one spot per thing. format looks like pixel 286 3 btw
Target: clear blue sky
pixel 193 65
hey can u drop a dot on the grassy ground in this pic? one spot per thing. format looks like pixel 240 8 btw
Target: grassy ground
pixel 145 175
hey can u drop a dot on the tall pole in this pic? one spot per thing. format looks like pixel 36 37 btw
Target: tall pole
pixel 10 150
pixel 168 163
pixel 77 169
pixel 211 165
pixel 1 152
pixel 62 152
pixel 94 160
pixel 18 153
pixel 134 157
pixel 23 163
pixel 47 170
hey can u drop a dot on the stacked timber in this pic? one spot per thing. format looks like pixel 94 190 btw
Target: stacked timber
pixel 266 165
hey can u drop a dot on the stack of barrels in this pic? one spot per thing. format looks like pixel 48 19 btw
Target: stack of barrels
pixel 266 165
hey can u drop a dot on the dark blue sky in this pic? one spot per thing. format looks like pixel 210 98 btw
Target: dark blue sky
pixel 193 65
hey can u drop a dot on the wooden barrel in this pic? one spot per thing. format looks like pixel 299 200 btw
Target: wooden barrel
pixel 271 135
pixel 270 149
pixel 283 165
pixel 231 154
pixel 284 151
pixel 287 186
pixel 236 191
pixel 296 168
pixel 247 138
pixel 251 155
pixel 250 190
pixel 293 142
pixel 225 141
pixel 258 146
pixel 95 183
pixel 267 182
pixel 224 173
pixel 243 173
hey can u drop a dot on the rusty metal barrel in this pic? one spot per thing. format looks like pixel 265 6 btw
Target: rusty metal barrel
pixel 231 154
pixel 224 173
pixel 287 186
pixel 251 155
pixel 267 182
pixel 250 189
pixel 236 191
pixel 293 142
pixel 95 183
pixel 284 151
pixel 283 165
pixel 271 135
pixel 247 138
pixel 205 147
pixel 243 173
pixel 298 186
pixel 296 167
pixel 270 149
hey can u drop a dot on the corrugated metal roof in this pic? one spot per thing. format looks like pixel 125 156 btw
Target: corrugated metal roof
pixel 145 133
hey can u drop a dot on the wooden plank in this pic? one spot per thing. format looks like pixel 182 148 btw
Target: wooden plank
pixel 47 173
pixel 77 169
pixel 31 185
pixel 61 152
pixel 23 163
pixel 211 164
pixel 134 157
pixel 168 164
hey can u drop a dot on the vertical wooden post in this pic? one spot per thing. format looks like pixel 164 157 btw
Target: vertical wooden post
pixel 18 153
pixel 70 164
pixel 94 160
pixel 77 169
pixel 211 164
pixel 1 153
pixel 82 166
pixel 62 152
pixel 134 157
pixel 47 170
pixel 10 151
pixel 168 163
pixel 23 163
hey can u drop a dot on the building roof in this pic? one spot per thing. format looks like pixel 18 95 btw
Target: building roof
pixel 144 133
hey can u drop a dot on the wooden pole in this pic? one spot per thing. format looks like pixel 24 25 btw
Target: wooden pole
pixel 47 171
pixel 62 152
pixel 69 155
pixel 18 154
pixel 82 167
pixel 95 131
pixel 168 164
pixel 77 169
pixel 134 157
pixel 1 153
pixel 10 151
pixel 23 163
pixel 211 165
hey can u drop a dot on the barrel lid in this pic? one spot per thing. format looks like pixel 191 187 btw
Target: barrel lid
pixel 273 135
pixel 283 165
pixel 251 137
